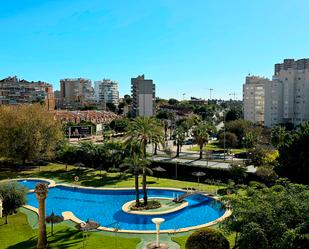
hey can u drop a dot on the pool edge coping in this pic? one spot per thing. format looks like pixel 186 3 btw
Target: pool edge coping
pixel 68 215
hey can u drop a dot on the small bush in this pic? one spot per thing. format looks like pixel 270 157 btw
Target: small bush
pixel 207 238
pixel 152 204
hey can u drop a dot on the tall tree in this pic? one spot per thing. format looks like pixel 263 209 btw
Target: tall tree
pixel 201 135
pixel 144 130
pixel 28 132
pixel 233 114
pixel 41 191
pixel 279 135
pixel 179 136
pixel 242 127
pixel 135 165
pixel 13 196
pixel 293 156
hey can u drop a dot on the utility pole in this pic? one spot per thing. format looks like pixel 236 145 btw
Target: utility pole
pixel 210 90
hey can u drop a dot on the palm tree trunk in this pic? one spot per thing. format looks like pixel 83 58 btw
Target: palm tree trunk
pixel 137 203
pixel 178 147
pixel 42 241
pixel 145 149
pixel 145 187
pixel 201 151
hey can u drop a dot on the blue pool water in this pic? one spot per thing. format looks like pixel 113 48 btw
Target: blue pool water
pixel 105 207
pixel 30 184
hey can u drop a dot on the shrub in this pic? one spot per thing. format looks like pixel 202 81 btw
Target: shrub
pixel 252 237
pixel 207 238
pixel 231 140
pixel 13 196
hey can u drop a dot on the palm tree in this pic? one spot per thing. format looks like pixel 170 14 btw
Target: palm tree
pixel 41 190
pixel 141 131
pixel 53 219
pixel 179 135
pixel 201 135
pixel 144 130
pixel 135 165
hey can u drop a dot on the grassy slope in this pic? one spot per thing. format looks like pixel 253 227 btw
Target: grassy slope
pixel 91 177
pixel 18 234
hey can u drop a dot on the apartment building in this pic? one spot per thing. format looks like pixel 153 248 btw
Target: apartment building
pixel 254 98
pixel 293 76
pixel 15 91
pixel 273 103
pixel 76 92
pixel 143 97
pixel 284 99
pixel 106 91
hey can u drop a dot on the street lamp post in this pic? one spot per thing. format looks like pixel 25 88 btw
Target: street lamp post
pixel 224 135
pixel 158 222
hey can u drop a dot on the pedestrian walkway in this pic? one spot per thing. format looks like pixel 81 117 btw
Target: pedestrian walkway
pixel 164 238
pixel 199 162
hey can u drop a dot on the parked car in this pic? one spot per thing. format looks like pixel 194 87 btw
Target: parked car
pixel 188 141
pixel 242 155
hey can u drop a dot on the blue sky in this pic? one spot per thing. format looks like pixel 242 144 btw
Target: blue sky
pixel 185 46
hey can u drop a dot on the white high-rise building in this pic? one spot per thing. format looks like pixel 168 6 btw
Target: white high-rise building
pixel 254 98
pixel 273 103
pixel 294 78
pixel 285 98
pixel 106 91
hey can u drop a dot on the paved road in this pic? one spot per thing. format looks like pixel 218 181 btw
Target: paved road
pixel 196 162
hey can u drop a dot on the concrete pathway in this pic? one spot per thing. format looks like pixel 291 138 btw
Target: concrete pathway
pixel 164 238
pixel 197 162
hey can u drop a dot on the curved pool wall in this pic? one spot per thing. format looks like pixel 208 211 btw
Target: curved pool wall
pixel 30 184
pixel 105 206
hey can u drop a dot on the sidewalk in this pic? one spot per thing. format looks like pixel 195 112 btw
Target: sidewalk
pixel 198 162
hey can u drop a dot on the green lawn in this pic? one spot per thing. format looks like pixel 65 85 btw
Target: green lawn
pixel 215 147
pixel 91 177
pixel 18 234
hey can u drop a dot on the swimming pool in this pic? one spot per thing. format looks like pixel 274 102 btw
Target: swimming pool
pixel 105 207
pixel 30 184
